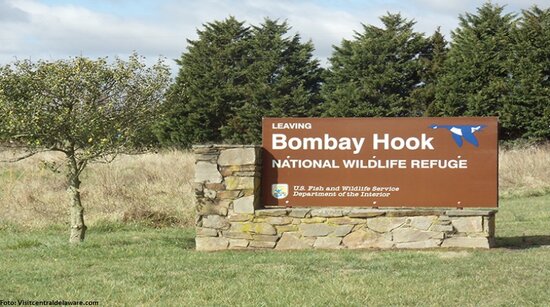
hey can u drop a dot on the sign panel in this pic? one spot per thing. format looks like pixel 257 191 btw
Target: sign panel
pixel 380 162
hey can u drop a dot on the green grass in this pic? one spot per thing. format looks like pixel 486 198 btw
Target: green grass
pixel 133 265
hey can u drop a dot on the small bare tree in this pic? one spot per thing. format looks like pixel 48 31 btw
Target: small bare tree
pixel 86 109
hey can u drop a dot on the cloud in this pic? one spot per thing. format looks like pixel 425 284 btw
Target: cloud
pixel 526 4
pixel 11 21
pixel 324 27
pixel 56 31
pixel 63 28
pixel 445 7
pixel 72 30
pixel 9 13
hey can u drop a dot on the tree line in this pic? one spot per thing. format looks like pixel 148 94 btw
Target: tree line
pixel 496 64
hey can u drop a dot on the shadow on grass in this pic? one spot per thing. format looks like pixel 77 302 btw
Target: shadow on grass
pixel 523 242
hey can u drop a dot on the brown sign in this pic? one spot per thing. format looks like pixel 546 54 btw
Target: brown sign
pixel 380 162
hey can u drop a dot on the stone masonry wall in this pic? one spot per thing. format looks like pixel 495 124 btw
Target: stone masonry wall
pixel 227 184
pixel 229 215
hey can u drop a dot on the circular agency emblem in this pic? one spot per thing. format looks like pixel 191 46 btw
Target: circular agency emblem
pixel 279 190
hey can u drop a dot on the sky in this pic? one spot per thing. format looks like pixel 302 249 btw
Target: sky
pixel 57 29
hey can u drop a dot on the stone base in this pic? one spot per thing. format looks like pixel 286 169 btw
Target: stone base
pixel 353 228
pixel 227 190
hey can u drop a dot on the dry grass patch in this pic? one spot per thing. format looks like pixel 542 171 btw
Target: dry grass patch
pixel 151 188
pixel 524 172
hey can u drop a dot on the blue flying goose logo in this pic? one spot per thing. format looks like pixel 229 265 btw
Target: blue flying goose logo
pixel 462 132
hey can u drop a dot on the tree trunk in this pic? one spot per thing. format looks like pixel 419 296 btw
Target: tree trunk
pixel 78 228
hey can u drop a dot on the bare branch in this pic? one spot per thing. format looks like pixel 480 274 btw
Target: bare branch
pixel 28 155
pixel 81 166
pixel 108 158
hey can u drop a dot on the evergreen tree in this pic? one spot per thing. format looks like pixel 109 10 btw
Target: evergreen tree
pixel 423 97
pixel 375 74
pixel 232 76
pixel 529 105
pixel 283 81
pixel 476 77
pixel 211 83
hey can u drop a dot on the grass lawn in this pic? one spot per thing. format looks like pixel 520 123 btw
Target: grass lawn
pixel 134 265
